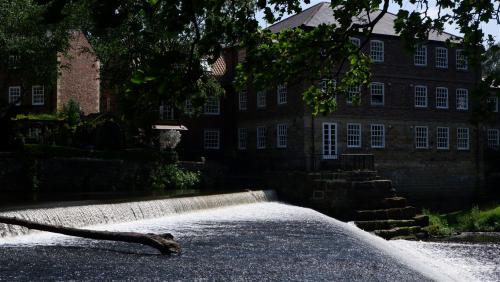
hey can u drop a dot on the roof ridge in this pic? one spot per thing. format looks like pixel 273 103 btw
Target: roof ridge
pixel 319 5
pixel 296 14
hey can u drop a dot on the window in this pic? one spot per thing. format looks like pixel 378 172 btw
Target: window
pixel 462 139
pixel 14 61
pixel 282 136
pixel 442 98
pixel 355 41
pixel 353 94
pixel 441 57
pixel 34 133
pixel 377 135
pixel 462 99
pixel 242 100
pixel 353 135
pixel 493 103
pixel 420 96
pixel 377 93
pixel 377 51
pixel 261 99
pixel 166 111
pixel 493 139
pixel 212 106
pixel 282 92
pixel 421 137
pixel 37 95
pixel 211 139
pixel 188 107
pixel 261 137
pixel 329 141
pixel 15 95
pixel 420 56
pixel 242 138
pixel 461 60
pixel 443 138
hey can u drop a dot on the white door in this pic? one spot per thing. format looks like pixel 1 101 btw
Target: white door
pixel 329 141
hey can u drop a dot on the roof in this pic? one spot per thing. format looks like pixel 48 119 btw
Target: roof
pixel 169 127
pixel 322 13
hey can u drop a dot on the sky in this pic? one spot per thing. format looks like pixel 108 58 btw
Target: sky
pixel 490 28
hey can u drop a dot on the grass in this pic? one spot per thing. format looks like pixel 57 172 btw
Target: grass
pixel 485 219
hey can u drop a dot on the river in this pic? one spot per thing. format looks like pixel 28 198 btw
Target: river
pixel 262 241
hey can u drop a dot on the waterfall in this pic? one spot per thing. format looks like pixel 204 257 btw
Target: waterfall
pixel 78 216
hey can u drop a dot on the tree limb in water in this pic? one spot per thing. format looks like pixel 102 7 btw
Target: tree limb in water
pixel 162 242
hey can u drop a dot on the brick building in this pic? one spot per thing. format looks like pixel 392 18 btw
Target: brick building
pixel 77 79
pixel 414 117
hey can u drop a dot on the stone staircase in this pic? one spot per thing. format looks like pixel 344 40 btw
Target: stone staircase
pixel 381 211
pixel 371 202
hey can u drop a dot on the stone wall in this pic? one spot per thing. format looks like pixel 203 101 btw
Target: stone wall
pixel 68 178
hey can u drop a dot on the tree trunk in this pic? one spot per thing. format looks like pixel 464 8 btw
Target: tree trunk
pixel 163 242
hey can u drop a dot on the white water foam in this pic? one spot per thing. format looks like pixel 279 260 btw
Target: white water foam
pixel 89 215
pixel 430 259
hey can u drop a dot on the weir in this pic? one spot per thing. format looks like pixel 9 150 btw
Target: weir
pixel 86 215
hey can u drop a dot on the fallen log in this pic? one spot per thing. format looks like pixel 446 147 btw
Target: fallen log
pixel 162 242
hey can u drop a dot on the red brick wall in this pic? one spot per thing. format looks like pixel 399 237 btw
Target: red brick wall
pixel 79 76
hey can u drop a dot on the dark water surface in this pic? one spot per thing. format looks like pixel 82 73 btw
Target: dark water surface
pixel 254 242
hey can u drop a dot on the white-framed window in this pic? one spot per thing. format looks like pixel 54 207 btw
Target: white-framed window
pixel 493 139
pixel 166 111
pixel 34 133
pixel 282 92
pixel 212 106
pixel 242 100
pixel 462 99
pixel 420 56
pixel 443 138
pixel 329 141
pixel 493 103
pixel 461 60
pixel 188 107
pixel 421 137
pixel 281 135
pixel 441 57
pixel 420 96
pixel 37 95
pixel 353 93
pixel 211 139
pixel 441 98
pixel 462 139
pixel 377 94
pixel 14 61
pixel 261 99
pixel 261 137
pixel 15 95
pixel 377 51
pixel 353 135
pixel 242 138
pixel 377 132
pixel 355 41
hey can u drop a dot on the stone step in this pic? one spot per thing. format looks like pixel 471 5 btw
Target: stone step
pixel 371 225
pixel 374 189
pixel 422 220
pixel 408 212
pixel 385 203
pixel 398 232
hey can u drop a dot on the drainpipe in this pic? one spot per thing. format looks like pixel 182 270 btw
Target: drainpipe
pixel 313 166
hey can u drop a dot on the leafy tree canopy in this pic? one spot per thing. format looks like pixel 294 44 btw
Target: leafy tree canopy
pixel 325 52
pixel 156 50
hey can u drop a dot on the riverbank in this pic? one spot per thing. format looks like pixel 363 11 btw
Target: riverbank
pixel 478 224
